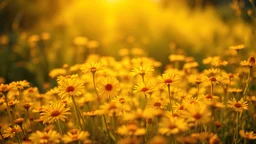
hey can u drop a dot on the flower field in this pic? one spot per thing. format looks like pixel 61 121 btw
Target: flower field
pixel 114 88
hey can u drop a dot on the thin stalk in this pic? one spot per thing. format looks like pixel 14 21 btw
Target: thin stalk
pixel 59 125
pixel 247 81
pixel 94 84
pixel 169 94
pixel 29 118
pixel 109 133
pixel 76 113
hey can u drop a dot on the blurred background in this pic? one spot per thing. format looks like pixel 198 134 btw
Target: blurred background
pixel 37 36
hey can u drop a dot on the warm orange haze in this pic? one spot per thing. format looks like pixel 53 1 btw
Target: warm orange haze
pixel 127 72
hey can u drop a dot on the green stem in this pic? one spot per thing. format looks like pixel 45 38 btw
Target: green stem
pixel 59 125
pixel 76 113
pixel 247 81
pixel 109 133
pixel 169 94
pixel 94 84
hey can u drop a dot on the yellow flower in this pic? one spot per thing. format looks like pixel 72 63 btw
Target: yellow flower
pixel 172 125
pixel 139 114
pixel 131 129
pixel 123 52
pixel 144 88
pixel 70 86
pixel 19 84
pixel 92 44
pixel 57 72
pixel 4 88
pixel 55 112
pixel 11 131
pixel 80 41
pixel 111 109
pixel 211 71
pixel 158 140
pixel 190 65
pixel 91 67
pixel 237 47
pixel 178 107
pixel 75 68
pixel 108 87
pixel 93 113
pixel 244 63
pixel 122 99
pixel 169 78
pixel 238 106
pixel 175 57
pixel 251 61
pixel 198 113
pixel 75 136
pixel 157 103
pixel 48 137
pixel 197 79
pixel 247 135
pixel 142 70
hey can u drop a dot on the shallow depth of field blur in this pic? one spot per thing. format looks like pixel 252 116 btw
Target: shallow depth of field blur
pixel 126 71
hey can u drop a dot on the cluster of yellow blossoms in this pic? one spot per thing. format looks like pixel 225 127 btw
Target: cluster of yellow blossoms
pixel 129 101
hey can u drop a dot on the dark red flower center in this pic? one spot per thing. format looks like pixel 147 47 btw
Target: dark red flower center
pixel 70 89
pixel 145 89
pixel 197 116
pixel 238 105
pixel 157 104
pixel 93 69
pixel 213 79
pixel 55 113
pixel 172 126
pixel 121 100
pixel 108 87
pixel 168 81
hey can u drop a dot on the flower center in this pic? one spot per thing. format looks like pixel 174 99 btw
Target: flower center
pixel 145 89
pixel 157 104
pixel 55 113
pixel 93 69
pixel 108 87
pixel 122 100
pixel 70 89
pixel 209 96
pixel 13 130
pixel 238 105
pixel 45 137
pixel 213 79
pixel 168 81
pixel 181 108
pixel 172 126
pixel 197 116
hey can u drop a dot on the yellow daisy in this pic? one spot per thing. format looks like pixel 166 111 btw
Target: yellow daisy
pixel 172 125
pixel 238 106
pixel 237 47
pixel 48 137
pixel 108 87
pixel 70 86
pixel 55 112
pixel 169 78
pixel 142 70
pixel 144 88
pixel 198 113
pixel 91 67
pixel 131 129
pixel 247 135
pixel 19 84
pixel 75 136
pixel 11 131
